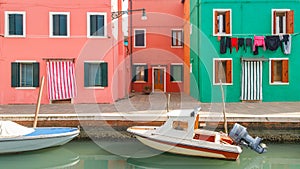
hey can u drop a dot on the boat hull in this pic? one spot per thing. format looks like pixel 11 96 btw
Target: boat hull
pixel 38 141
pixel 189 150
pixel 185 146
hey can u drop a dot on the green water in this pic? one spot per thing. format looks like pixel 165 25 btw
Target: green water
pixel 89 155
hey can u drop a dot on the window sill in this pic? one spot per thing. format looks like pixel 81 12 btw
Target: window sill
pixel 177 47
pixel 222 34
pixel 140 82
pixel 279 83
pixel 15 36
pixel 93 88
pixel 97 37
pixel 224 84
pixel 25 88
pixel 139 46
pixel 51 36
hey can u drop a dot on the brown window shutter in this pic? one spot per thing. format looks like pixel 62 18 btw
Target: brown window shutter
pixel 227 20
pixel 216 22
pixel 228 71
pixel 290 22
pixel 272 71
pixel 217 71
pixel 285 71
pixel 274 22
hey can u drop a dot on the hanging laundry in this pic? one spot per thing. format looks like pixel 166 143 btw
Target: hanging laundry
pixel 286 45
pixel 241 43
pixel 272 42
pixel 259 41
pixel 225 43
pixel 234 44
pixel 248 43
pixel 228 43
pixel 222 45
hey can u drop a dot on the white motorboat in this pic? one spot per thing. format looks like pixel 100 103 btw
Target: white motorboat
pixel 180 135
pixel 17 138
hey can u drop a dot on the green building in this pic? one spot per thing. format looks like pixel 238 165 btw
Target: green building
pixel 220 51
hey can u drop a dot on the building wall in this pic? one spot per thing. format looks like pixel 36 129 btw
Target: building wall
pixel 162 17
pixel 37 46
pixel 249 18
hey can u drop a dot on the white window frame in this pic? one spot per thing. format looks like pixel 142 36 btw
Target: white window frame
pixel 182 40
pixel 222 10
pixel 140 64
pixel 272 17
pixel 214 73
pixel 145 36
pixel 270 72
pixel 94 62
pixel 89 24
pixel 51 24
pixel 177 64
pixel 6 32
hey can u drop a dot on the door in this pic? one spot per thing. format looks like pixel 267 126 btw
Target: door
pixel 159 79
pixel 251 81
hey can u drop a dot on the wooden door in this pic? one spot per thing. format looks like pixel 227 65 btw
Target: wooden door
pixel 159 80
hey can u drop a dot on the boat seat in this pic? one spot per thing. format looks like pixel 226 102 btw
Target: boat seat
pixel 217 138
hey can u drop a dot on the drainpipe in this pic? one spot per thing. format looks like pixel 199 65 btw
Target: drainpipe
pixel 198 49
pixel 130 35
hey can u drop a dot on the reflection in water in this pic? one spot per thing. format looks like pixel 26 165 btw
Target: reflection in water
pixel 87 155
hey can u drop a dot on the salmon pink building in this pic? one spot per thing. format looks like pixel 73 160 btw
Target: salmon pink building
pixel 75 45
pixel 158 46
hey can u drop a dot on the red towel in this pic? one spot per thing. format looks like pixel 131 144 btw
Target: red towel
pixel 234 44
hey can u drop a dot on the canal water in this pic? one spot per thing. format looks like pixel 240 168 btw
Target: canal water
pixel 90 155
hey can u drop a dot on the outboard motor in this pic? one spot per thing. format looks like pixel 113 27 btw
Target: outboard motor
pixel 240 135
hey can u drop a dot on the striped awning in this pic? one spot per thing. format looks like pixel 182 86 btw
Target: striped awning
pixel 61 80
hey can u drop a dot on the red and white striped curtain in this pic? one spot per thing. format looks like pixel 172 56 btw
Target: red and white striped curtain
pixel 61 80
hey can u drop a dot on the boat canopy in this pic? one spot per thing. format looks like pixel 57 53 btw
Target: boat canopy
pixel 12 129
pixel 180 124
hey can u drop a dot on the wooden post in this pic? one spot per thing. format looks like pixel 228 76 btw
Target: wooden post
pixel 168 102
pixel 224 112
pixel 38 104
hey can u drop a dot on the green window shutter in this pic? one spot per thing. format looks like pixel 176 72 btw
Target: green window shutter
pixel 171 71
pixel 36 74
pixel 15 74
pixel 133 73
pixel 86 74
pixel 146 73
pixel 104 74
pixel 176 73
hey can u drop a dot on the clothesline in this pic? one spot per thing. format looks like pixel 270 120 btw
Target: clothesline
pixel 257 34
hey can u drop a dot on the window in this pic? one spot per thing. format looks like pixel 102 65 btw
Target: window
pixel 25 74
pixel 283 21
pixel 279 69
pixel 15 24
pixel 139 38
pixel 95 74
pixel 140 73
pixel 223 71
pixel 180 125
pixel 176 72
pixel 177 38
pixel 59 24
pixel 96 26
pixel 222 22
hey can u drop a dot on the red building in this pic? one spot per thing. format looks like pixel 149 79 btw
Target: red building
pixel 158 46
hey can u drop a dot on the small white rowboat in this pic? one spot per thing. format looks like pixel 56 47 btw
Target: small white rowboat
pixel 17 138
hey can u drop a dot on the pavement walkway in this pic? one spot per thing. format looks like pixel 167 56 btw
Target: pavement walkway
pixel 156 101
